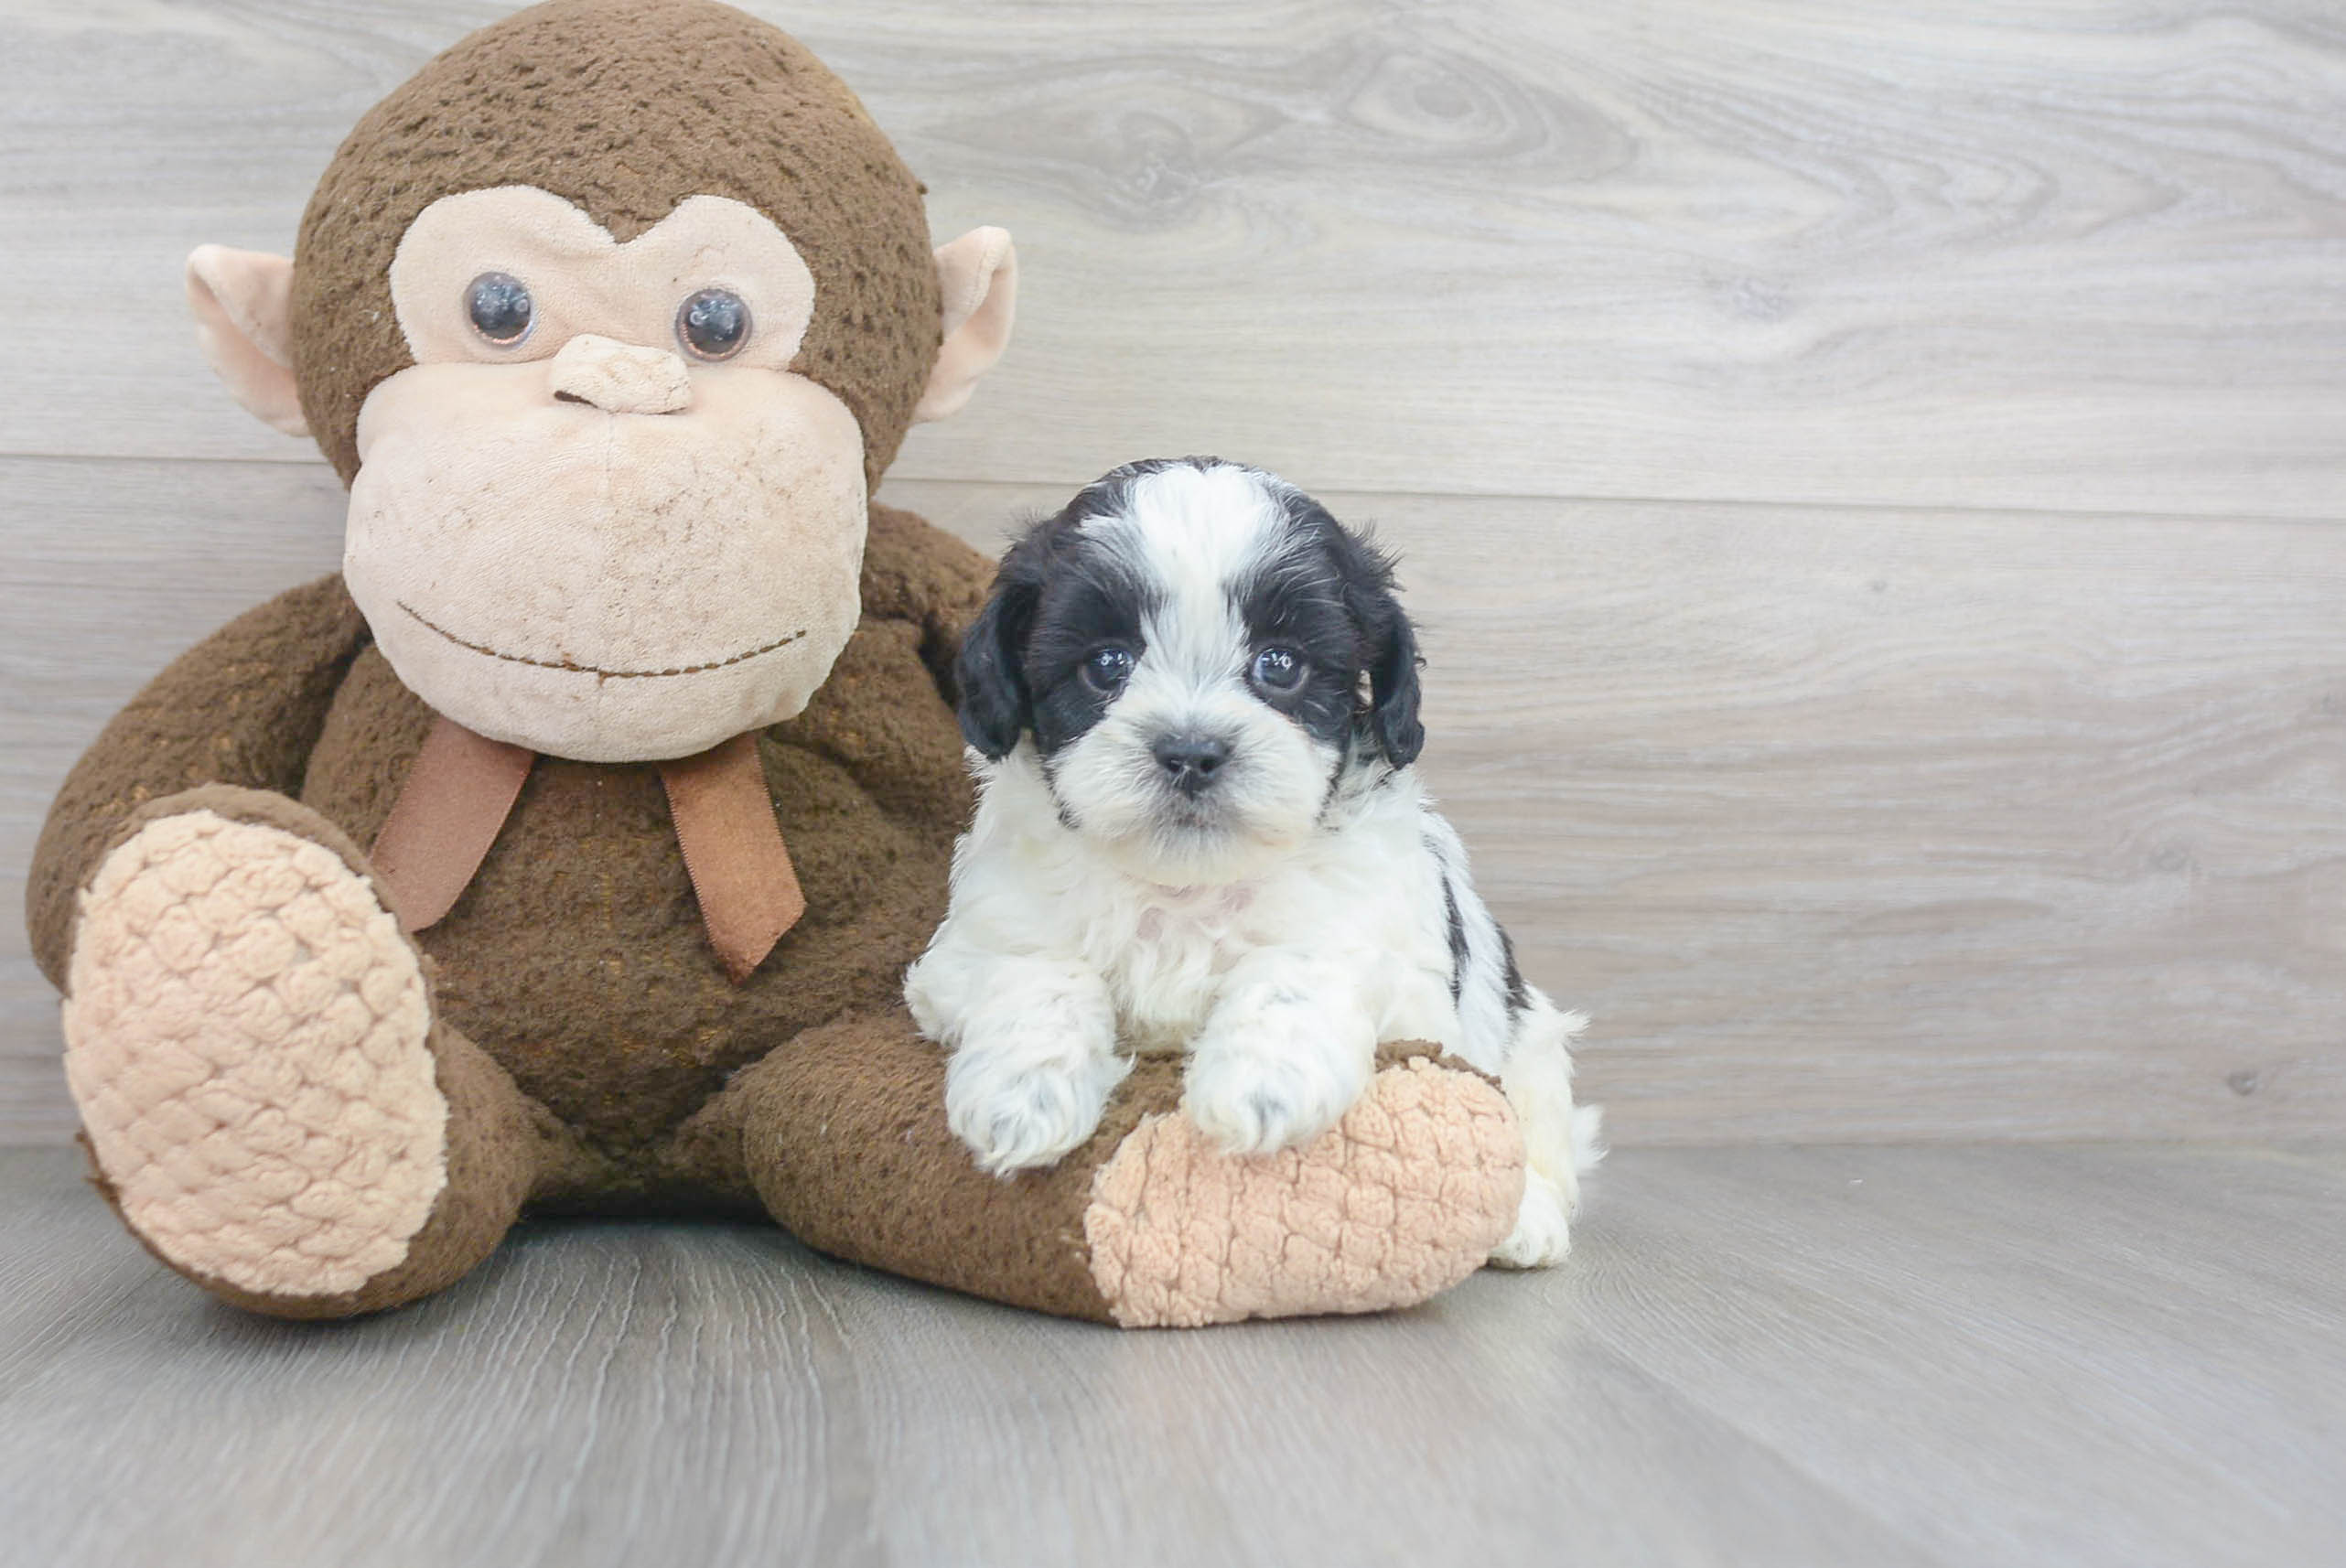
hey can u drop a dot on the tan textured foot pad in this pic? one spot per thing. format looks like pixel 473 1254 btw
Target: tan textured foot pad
pixel 1404 1199
pixel 245 1035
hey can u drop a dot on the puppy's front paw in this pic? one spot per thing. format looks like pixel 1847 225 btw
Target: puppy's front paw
pixel 1258 1095
pixel 1015 1114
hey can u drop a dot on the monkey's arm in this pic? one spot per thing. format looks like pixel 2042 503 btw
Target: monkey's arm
pixel 916 572
pixel 885 712
pixel 245 706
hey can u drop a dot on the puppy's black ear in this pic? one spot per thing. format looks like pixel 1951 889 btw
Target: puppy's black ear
pixel 994 707
pixel 1389 650
pixel 1388 642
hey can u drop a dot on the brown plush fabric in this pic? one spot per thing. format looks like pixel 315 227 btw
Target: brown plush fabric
pixel 624 107
pixel 577 958
pixel 497 1144
pixel 844 1135
pixel 243 707
pixel 616 1068
pixel 842 1132
pixel 586 1041
pixel 1401 1053
pixel 915 575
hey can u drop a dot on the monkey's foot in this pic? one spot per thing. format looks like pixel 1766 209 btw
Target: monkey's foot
pixel 247 1035
pixel 842 1132
pixel 1405 1197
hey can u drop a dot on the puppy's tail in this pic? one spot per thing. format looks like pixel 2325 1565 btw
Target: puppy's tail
pixel 1589 1150
pixel 1562 1140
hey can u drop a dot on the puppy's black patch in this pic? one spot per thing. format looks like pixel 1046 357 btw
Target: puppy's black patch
pixel 1294 599
pixel 1057 597
pixel 1321 591
pixel 1457 921
pixel 1385 644
pixel 1519 995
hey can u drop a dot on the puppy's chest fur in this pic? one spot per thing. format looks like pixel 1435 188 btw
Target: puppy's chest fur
pixel 1359 891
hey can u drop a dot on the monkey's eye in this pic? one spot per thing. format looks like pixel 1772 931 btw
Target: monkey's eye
pixel 1107 669
pixel 499 307
pixel 713 324
pixel 1278 670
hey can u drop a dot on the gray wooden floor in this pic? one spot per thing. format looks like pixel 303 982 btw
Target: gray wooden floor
pixel 1871 477
pixel 2125 1354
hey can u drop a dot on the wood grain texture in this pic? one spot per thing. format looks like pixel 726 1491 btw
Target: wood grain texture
pixel 1849 823
pixel 1872 1357
pixel 1844 825
pixel 1879 825
pixel 1987 783
pixel 2086 255
pixel 112 568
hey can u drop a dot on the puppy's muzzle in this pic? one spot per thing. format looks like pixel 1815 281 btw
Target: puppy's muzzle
pixel 1191 762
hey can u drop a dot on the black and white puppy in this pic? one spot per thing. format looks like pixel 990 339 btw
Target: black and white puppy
pixel 1193 698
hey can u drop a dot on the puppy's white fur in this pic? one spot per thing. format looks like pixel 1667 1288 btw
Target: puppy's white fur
pixel 1277 930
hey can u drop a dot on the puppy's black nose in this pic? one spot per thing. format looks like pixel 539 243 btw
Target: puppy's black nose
pixel 1192 760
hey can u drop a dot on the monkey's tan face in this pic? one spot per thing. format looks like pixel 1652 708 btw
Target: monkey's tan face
pixel 601 517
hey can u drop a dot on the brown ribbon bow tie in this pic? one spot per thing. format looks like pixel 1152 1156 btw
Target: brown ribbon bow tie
pixel 463 786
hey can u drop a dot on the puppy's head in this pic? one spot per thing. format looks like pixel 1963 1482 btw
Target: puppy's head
pixel 1199 657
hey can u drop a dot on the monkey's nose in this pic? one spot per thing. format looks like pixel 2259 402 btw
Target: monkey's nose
pixel 619 377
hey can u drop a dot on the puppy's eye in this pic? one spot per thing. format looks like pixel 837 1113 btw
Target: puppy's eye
pixel 499 307
pixel 713 324
pixel 1278 670
pixel 1106 668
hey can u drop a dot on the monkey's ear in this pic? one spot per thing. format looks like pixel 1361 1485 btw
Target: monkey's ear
pixel 977 277
pixel 243 304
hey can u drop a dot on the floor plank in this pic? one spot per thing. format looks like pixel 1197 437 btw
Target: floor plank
pixel 1884 825
pixel 1877 1357
pixel 2073 1380
pixel 111 569
pixel 2086 256
pixel 1844 825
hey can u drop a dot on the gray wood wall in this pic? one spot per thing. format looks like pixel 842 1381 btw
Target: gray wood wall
pixel 1871 476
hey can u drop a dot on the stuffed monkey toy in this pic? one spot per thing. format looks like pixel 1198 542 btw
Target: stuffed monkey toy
pixel 565 851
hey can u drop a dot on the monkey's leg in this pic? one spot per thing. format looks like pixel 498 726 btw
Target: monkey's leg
pixel 272 1106
pixel 843 1134
pixel 245 706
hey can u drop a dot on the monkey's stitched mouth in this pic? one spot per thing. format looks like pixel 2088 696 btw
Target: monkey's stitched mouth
pixel 743 657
